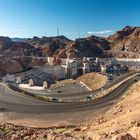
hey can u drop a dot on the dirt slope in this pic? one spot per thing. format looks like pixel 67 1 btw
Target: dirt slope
pixel 122 122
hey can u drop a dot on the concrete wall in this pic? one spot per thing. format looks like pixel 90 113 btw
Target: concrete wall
pixel 23 75
pixel 74 69
pixel 70 67
pixel 57 71
pixel 51 60
pixel 9 77
pixel 128 59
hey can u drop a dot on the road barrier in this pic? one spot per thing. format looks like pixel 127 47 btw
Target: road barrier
pixel 85 86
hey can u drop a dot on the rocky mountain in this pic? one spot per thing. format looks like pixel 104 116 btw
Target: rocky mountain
pixel 61 47
pixel 90 47
pixel 84 47
pixel 126 40
pixel 5 43
pixel 124 43
pixel 13 56
pixel 45 41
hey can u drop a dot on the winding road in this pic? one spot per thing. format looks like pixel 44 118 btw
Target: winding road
pixel 24 105
pixel 15 101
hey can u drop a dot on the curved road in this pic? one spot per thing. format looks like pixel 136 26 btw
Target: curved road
pixel 21 109
pixel 16 102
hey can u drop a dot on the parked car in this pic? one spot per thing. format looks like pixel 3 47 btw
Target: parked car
pixel 88 98
pixel 135 80
pixel 59 91
pixel 110 78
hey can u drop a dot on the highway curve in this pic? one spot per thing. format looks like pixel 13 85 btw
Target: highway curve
pixel 17 102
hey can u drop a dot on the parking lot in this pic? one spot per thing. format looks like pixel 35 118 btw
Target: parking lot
pixel 69 88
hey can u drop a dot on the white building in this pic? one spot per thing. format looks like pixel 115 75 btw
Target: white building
pixel 70 68
pixel 86 67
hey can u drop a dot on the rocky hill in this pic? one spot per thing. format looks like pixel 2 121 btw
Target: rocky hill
pixel 61 47
pixel 120 122
pixel 13 56
pixel 5 43
pixel 124 43
pixel 45 41
pixel 86 47
pixel 127 40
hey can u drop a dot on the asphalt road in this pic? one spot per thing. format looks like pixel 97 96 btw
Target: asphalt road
pixel 81 96
pixel 115 81
pixel 18 102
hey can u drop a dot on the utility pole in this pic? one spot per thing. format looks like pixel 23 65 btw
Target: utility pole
pixel 57 31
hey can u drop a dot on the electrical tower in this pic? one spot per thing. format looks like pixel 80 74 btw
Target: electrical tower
pixel 57 31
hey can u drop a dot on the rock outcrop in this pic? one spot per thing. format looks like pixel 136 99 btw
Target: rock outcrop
pixel 133 134
pixel 46 41
pixel 124 137
pixel 5 43
pixel 61 47
pixel 10 66
pixel 124 43
pixel 84 47
pixel 126 40
pixel 14 56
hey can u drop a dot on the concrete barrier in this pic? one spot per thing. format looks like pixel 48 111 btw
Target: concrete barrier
pixel 85 86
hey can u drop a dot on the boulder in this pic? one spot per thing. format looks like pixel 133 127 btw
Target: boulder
pixel 124 137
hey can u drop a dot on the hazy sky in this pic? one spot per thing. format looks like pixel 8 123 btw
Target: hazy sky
pixel 27 18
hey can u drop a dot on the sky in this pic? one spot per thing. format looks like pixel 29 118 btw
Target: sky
pixel 73 18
